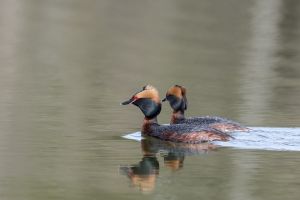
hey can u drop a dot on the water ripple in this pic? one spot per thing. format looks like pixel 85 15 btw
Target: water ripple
pixel 263 138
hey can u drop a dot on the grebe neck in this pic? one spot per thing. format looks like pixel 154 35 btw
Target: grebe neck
pixel 149 124
pixel 177 115
pixel 150 121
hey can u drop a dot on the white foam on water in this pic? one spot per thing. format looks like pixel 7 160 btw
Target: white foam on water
pixel 134 136
pixel 264 138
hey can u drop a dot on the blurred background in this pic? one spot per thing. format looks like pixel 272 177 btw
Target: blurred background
pixel 65 65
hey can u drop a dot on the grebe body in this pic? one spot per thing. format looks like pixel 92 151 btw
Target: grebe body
pixel 176 96
pixel 149 103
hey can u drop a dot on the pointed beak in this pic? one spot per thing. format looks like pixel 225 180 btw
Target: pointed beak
pixel 128 101
pixel 164 100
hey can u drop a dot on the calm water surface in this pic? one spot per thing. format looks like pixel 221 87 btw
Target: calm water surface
pixel 65 65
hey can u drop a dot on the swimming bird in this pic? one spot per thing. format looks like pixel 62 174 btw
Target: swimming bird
pixel 149 103
pixel 176 96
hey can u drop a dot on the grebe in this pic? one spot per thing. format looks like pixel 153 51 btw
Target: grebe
pixel 176 96
pixel 149 103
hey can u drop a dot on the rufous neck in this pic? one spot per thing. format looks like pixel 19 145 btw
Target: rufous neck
pixel 177 115
pixel 150 121
pixel 148 124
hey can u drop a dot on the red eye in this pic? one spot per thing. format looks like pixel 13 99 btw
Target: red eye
pixel 134 98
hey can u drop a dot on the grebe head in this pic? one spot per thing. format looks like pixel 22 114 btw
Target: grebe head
pixel 176 96
pixel 147 100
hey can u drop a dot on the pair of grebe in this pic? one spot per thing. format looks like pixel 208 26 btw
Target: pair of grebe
pixel 181 129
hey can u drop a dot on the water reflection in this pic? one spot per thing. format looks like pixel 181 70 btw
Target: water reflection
pixel 144 174
pixel 65 64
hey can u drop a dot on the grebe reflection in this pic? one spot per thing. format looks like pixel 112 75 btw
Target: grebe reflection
pixel 143 175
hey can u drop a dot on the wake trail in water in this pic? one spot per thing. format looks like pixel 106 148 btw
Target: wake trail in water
pixel 264 138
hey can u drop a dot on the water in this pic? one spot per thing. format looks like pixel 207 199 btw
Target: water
pixel 264 138
pixel 65 65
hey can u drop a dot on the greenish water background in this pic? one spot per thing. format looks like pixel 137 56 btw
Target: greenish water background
pixel 65 65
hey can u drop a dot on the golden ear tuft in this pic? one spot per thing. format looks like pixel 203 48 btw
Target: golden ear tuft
pixel 183 91
pixel 182 88
pixel 175 90
pixel 148 87
pixel 150 92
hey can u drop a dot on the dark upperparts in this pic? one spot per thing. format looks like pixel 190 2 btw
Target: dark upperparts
pixel 148 102
pixel 176 95
pixel 184 133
